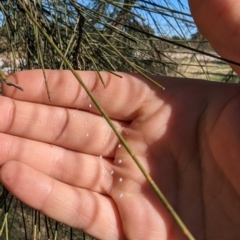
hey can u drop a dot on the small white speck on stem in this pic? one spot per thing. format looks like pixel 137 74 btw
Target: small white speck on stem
pixel 120 161
pixel 120 179
pixel 90 105
pixel 152 182
pixel 119 145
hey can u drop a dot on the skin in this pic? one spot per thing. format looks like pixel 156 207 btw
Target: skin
pixel 62 159
pixel 219 22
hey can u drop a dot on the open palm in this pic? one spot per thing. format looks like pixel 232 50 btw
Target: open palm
pixel 63 159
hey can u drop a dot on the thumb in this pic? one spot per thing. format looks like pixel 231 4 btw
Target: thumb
pixel 219 22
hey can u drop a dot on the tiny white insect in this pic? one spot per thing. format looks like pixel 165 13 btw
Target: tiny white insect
pixel 120 179
pixel 119 145
pixel 90 105
pixel 120 161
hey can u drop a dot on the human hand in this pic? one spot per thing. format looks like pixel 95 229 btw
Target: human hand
pixel 62 158
pixel 219 22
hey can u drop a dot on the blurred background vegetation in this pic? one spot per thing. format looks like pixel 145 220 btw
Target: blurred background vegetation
pixel 146 36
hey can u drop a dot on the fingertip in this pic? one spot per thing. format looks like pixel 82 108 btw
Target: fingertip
pixel 25 183
pixel 27 85
pixel 12 85
pixel 9 173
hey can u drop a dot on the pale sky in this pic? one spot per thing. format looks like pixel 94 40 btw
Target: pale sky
pixel 177 24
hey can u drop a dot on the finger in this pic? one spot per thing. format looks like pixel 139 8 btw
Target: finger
pixel 127 93
pixel 73 168
pixel 76 130
pixel 219 22
pixel 79 208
